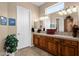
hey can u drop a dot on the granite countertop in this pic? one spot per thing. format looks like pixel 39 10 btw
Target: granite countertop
pixel 61 36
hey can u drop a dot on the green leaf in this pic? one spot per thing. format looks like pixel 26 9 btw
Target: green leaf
pixel 12 42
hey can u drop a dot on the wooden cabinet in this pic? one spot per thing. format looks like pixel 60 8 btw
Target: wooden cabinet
pixel 78 48
pixel 59 49
pixel 69 51
pixel 35 40
pixel 43 42
pixel 69 48
pixel 40 41
pixel 57 46
pixel 52 47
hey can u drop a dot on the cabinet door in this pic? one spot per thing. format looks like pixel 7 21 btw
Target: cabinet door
pixel 78 48
pixel 69 51
pixel 35 40
pixel 52 46
pixel 43 42
pixel 59 49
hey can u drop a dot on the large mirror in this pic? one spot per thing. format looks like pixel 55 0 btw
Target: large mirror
pixel 61 19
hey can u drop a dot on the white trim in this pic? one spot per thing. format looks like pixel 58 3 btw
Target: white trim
pixel 30 25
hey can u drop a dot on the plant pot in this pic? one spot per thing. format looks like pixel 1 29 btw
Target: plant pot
pixel 10 54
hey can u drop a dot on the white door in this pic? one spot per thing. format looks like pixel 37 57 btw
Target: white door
pixel 23 27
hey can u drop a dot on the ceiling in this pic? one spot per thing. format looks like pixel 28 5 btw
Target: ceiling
pixel 38 3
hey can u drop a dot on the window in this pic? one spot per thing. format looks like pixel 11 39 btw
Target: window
pixel 54 8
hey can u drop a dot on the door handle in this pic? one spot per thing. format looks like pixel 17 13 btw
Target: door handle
pixel 18 33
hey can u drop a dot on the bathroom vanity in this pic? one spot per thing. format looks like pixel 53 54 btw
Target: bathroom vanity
pixel 58 45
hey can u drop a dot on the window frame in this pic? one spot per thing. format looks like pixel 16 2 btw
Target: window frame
pixel 46 13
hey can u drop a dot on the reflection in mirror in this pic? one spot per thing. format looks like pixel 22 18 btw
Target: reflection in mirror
pixel 68 24
pixel 60 24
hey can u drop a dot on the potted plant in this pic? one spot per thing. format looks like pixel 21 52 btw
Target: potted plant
pixel 10 45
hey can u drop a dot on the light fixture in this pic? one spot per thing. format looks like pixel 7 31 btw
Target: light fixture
pixel 41 18
pixel 74 9
pixel 44 17
pixel 35 20
pixel 69 11
pixel 64 12
pixel 60 13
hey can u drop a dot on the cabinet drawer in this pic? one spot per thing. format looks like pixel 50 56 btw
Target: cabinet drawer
pixel 70 42
pixel 74 43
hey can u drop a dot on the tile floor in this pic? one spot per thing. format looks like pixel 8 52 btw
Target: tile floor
pixel 31 51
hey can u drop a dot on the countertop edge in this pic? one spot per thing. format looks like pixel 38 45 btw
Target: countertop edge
pixel 58 36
